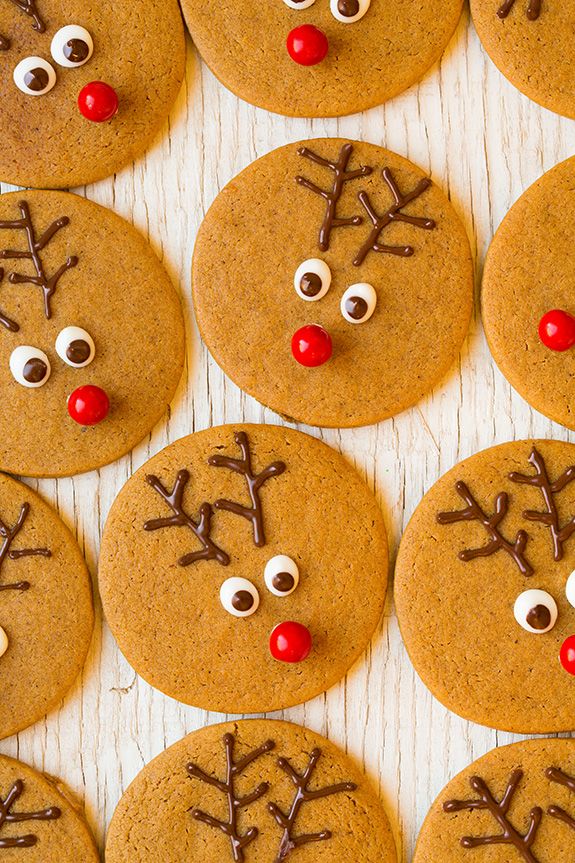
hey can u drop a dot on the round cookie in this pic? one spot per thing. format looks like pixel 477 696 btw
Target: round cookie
pixel 516 803
pixel 84 303
pixel 287 243
pixel 50 51
pixel 302 799
pixel 46 615
pixel 532 43
pixel 272 583
pixel 530 272
pixel 370 59
pixel 40 822
pixel 484 588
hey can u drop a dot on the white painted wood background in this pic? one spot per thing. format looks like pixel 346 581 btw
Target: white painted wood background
pixel 484 144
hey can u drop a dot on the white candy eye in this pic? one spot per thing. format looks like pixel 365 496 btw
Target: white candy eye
pixel 535 611
pixel 76 347
pixel 34 76
pixel 348 11
pixel 299 4
pixel 30 366
pixel 72 46
pixel 281 575
pixel 358 303
pixel 239 597
pixel 570 589
pixel 312 280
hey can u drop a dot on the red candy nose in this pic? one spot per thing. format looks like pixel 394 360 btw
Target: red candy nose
pixel 290 642
pixel 311 345
pixel 557 330
pixel 307 45
pixel 98 102
pixel 88 405
pixel 567 654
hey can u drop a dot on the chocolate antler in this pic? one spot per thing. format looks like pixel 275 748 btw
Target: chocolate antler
pixel 48 284
pixel 29 8
pixel 561 778
pixel 474 512
pixel 499 811
pixel 4 320
pixel 238 841
pixel 201 528
pixel 303 794
pixel 533 9
pixel 332 196
pixel 393 214
pixel 4 43
pixel 9 817
pixel 550 517
pixel 243 466
pixel 8 535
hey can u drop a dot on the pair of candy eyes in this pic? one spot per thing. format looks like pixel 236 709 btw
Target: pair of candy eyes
pixel 31 367
pixel 536 610
pixel 241 598
pixel 312 281
pixel 71 47
pixel 344 11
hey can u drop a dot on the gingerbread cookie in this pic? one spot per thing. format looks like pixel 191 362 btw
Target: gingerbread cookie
pixel 532 43
pixel 339 57
pixel 257 558
pixel 485 587
pixel 46 615
pixel 527 297
pixel 91 335
pixel 251 791
pixel 515 804
pixel 333 281
pixel 40 822
pixel 84 88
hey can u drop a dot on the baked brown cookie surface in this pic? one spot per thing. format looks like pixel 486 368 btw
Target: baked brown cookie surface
pixel 532 43
pixel 374 50
pixel 333 282
pixel 40 822
pixel 243 569
pixel 55 54
pixel 514 805
pixel 46 615
pixel 527 295
pixel 251 791
pixel 485 587
pixel 91 335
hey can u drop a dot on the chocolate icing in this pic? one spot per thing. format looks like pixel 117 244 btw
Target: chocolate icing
pixel 283 581
pixel 9 817
pixel 76 50
pixel 78 351
pixel 4 43
pixel 533 9
pixel 8 535
pixel 36 79
pixel 561 778
pixel 539 617
pixel 29 8
pixel 310 284
pixel 34 370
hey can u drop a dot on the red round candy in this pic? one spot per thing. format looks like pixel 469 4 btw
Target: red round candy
pixel 567 654
pixel 98 102
pixel 557 330
pixel 88 405
pixel 311 345
pixel 290 642
pixel 307 45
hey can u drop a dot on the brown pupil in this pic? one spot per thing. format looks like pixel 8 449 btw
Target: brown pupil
pixel 36 79
pixel 356 307
pixel 76 50
pixel 539 617
pixel 78 351
pixel 34 371
pixel 283 581
pixel 348 8
pixel 310 284
pixel 242 600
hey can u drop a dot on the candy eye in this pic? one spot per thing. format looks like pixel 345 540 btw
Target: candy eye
pixel 72 46
pixel 535 611
pixel 358 303
pixel 299 4
pixel 570 589
pixel 239 597
pixel 76 347
pixel 312 280
pixel 30 366
pixel 34 76
pixel 281 575
pixel 349 11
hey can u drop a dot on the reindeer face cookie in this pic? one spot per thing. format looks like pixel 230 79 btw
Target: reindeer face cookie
pixel 252 791
pixel 91 335
pixel 258 560
pixel 485 587
pixel 320 58
pixel 84 88
pixel 333 282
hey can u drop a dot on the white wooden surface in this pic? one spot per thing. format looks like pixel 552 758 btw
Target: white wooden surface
pixel 484 143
